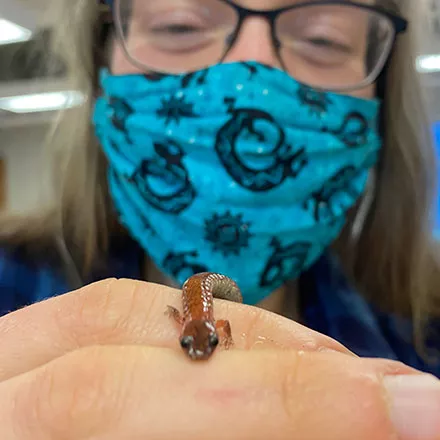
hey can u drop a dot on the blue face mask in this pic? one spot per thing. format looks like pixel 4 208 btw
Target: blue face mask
pixel 237 169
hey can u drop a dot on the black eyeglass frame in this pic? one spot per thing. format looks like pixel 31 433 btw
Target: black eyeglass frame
pixel 399 24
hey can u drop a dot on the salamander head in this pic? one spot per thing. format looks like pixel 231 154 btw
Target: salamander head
pixel 199 339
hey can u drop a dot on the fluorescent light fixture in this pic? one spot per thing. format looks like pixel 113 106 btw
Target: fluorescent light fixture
pixel 42 102
pixel 428 63
pixel 13 33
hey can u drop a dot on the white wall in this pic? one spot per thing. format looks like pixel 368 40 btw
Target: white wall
pixel 26 180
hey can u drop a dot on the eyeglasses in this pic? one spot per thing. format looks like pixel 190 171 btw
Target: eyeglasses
pixel 335 45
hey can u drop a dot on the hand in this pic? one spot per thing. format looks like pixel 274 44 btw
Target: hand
pixel 104 362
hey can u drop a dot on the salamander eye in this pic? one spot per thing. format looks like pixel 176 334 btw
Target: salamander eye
pixel 213 340
pixel 186 342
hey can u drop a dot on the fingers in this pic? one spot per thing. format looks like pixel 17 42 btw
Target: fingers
pixel 129 312
pixel 143 392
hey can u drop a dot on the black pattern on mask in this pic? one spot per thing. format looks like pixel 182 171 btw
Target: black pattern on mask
pixel 353 132
pixel 229 233
pixel 177 192
pixel 121 112
pixel 120 151
pixel 282 162
pixel 322 201
pixel 146 225
pixel 255 68
pixel 182 265
pixel 284 263
pixel 198 78
pixel 174 109
pixel 155 76
pixel 317 101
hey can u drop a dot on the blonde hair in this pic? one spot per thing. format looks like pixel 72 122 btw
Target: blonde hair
pixel 393 262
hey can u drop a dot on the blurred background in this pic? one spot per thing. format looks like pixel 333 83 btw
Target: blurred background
pixel 29 97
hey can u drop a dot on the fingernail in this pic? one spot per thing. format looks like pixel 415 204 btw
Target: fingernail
pixel 415 406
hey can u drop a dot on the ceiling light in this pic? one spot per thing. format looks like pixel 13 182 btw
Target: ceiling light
pixel 42 102
pixel 13 33
pixel 428 63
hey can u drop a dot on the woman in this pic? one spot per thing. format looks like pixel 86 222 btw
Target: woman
pixel 216 153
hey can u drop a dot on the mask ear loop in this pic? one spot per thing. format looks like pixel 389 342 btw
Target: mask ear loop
pixel 365 206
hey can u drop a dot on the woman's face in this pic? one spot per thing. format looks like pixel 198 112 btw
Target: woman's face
pixel 255 41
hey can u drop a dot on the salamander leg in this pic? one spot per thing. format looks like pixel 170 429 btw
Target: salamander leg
pixel 173 313
pixel 224 328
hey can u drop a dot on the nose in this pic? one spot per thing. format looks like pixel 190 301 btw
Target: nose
pixel 254 43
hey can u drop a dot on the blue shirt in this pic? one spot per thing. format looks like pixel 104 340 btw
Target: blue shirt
pixel 328 303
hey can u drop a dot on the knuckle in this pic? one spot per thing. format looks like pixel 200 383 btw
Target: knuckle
pixel 95 308
pixel 149 303
pixel 290 385
pixel 74 396
pixel 253 327
pixel 97 312
pixel 328 390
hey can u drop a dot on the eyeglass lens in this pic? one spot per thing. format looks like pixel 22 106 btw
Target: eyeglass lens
pixel 329 46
